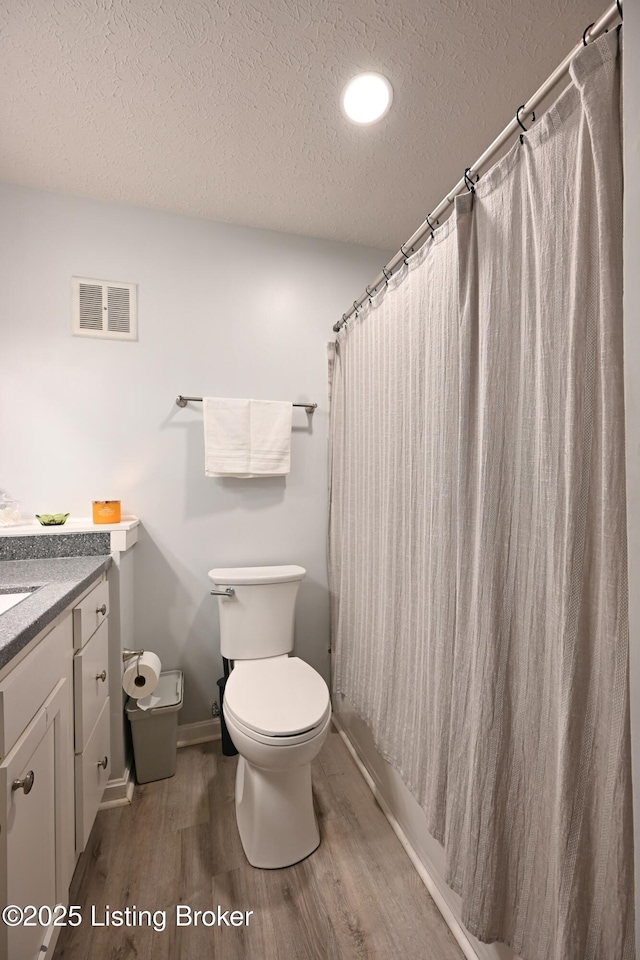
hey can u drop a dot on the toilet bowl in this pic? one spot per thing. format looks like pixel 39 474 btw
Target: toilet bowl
pixel 274 802
pixel 277 712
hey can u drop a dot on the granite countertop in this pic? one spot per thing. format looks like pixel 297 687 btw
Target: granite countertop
pixel 57 582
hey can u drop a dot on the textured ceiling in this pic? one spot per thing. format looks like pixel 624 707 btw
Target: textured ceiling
pixel 230 110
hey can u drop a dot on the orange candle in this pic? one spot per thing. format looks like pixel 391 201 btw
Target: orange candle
pixel 106 511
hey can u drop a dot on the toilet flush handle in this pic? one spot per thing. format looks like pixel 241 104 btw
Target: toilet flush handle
pixel 229 592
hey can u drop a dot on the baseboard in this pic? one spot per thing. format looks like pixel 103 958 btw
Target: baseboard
pixel 449 918
pixel 201 732
pixel 118 793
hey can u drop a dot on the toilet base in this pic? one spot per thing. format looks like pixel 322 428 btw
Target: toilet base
pixel 275 815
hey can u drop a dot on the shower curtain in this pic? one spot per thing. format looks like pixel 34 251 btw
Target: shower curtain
pixel 477 534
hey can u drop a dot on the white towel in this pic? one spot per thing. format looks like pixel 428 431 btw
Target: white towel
pixel 246 438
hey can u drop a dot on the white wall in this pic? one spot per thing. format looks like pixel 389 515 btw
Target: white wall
pixel 631 105
pixel 223 311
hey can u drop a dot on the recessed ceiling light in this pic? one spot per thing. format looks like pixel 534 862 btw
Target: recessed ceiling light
pixel 366 98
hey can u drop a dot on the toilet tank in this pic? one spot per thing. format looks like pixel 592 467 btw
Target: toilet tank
pixel 258 620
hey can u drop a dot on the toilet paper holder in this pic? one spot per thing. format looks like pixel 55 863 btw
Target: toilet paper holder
pixel 127 654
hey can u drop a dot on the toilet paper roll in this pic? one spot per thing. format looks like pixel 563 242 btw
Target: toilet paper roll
pixel 141 675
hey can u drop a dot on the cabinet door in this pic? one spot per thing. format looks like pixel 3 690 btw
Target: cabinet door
pixel 34 834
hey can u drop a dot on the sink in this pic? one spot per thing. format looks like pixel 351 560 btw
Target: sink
pixel 8 600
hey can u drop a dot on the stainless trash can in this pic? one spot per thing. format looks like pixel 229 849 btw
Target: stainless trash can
pixel 155 731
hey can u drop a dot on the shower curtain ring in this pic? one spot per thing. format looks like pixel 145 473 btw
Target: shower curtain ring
pixel 584 35
pixel 533 117
pixel 619 6
pixel 430 225
pixel 355 308
pixel 521 107
pixel 469 181
pixel 369 294
pixel 406 262
pixel 387 277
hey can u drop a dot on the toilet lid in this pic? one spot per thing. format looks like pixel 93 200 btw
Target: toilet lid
pixel 281 696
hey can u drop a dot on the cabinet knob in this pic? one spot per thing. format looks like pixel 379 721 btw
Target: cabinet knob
pixel 25 784
pixel 103 763
pixel 102 610
pixel 101 676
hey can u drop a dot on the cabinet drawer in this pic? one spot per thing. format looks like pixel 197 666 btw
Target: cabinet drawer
pixel 92 777
pixel 89 614
pixel 25 689
pixel 90 684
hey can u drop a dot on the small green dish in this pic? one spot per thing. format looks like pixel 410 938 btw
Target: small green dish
pixel 52 519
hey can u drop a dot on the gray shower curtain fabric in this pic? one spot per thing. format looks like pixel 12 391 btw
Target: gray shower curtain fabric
pixel 477 534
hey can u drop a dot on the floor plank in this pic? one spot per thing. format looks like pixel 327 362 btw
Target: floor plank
pixel 357 897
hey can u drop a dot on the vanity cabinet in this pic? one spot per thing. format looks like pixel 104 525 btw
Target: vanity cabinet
pixel 54 764
pixel 36 790
pixel 91 707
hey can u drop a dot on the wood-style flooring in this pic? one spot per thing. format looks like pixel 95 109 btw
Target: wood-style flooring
pixel 358 896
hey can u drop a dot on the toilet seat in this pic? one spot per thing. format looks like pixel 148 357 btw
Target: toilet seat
pixel 279 700
pixel 283 741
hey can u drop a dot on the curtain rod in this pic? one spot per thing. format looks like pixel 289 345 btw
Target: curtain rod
pixel 471 174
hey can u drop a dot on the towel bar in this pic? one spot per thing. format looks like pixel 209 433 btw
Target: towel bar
pixel 182 402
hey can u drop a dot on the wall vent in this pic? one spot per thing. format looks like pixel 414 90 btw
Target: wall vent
pixel 103 308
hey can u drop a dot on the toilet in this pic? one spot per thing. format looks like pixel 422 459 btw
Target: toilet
pixel 277 711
